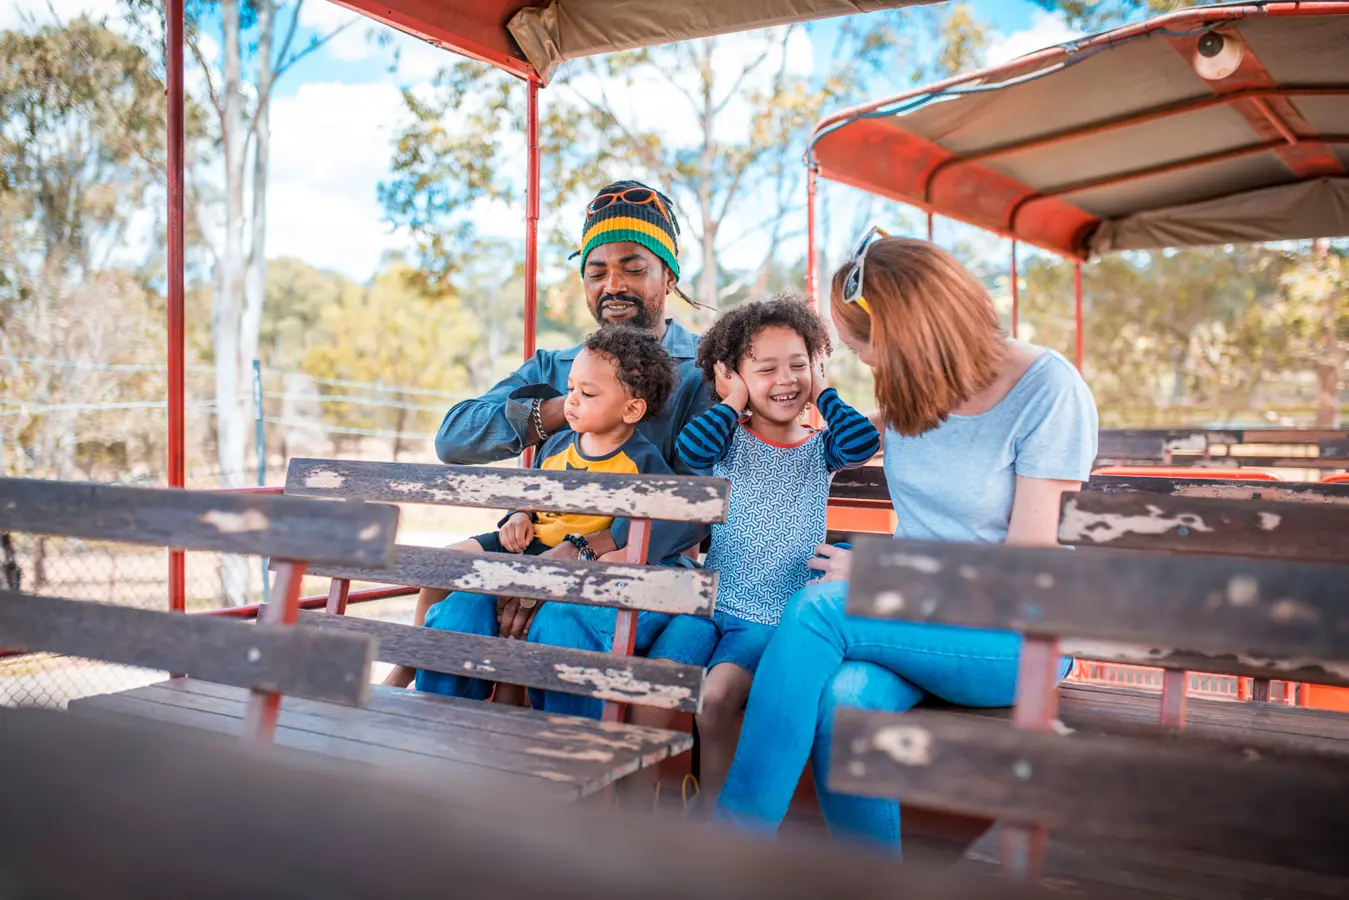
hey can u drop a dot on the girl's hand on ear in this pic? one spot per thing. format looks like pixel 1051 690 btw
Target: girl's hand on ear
pixel 819 382
pixel 731 388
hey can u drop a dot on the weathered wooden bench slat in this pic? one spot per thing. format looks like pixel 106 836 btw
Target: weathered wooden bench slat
pixel 265 657
pixel 1132 446
pixel 1286 811
pixel 657 588
pixel 1337 448
pixel 652 744
pixel 256 524
pixel 1253 609
pixel 669 498
pixel 622 679
pixel 541 750
pixel 1306 532
pixel 1179 658
pixel 129 705
pixel 1285 491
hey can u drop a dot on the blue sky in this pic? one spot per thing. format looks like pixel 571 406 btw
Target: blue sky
pixel 335 113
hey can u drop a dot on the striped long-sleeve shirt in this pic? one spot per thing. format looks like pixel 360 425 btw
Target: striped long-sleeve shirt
pixel 779 494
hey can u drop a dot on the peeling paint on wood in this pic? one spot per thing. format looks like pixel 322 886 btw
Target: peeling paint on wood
pixel 1164 657
pixel 668 498
pixel 1077 525
pixel 621 585
pixel 918 563
pixel 249 520
pixel 1310 532
pixel 586 755
pixel 1174 790
pixel 628 679
pixel 324 480
pixel 620 684
pixel 1287 492
pixel 907 745
pixel 292 528
pixel 1208 605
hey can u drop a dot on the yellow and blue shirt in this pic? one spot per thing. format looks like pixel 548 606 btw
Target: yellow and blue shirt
pixel 562 452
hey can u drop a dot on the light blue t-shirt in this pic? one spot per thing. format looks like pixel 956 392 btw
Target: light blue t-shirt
pixel 957 482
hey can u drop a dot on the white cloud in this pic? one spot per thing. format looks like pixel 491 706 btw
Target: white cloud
pixel 15 14
pixel 330 148
pixel 1046 30
pixel 417 60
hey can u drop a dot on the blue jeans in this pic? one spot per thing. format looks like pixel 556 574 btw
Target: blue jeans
pixel 820 659
pixel 558 624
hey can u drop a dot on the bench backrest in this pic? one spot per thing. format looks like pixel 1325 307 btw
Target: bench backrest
pixel 628 586
pixel 1277 529
pixel 269 658
pixel 1166 445
pixel 1216 614
pixel 1249 801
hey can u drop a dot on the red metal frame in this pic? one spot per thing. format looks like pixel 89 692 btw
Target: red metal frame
pixel 1077 315
pixel 532 218
pixel 177 367
pixel 264 707
pixel 625 623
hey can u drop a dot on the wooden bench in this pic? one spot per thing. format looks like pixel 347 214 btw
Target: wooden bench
pixel 269 659
pixel 1169 446
pixel 105 809
pixel 1279 809
pixel 563 754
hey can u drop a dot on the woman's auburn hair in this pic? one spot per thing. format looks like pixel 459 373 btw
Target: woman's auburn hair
pixel 934 335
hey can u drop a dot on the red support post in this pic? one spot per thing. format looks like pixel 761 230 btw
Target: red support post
pixel 339 590
pixel 1175 685
pixel 812 266
pixel 929 226
pixel 174 67
pixel 1015 291
pixel 1037 708
pixel 264 707
pixel 625 623
pixel 532 219
pixel 1077 315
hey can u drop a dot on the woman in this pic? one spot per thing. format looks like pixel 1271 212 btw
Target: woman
pixel 982 436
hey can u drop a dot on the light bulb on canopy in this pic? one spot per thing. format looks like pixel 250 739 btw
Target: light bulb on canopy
pixel 1217 55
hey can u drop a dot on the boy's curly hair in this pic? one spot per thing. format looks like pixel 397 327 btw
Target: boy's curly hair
pixel 729 340
pixel 644 367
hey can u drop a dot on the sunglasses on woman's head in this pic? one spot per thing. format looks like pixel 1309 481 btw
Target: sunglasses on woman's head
pixel 852 284
pixel 635 196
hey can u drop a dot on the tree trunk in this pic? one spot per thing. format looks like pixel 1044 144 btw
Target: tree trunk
pixel 1330 358
pixel 708 278
pixel 231 436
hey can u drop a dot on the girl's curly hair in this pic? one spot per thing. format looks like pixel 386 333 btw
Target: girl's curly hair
pixel 729 340
pixel 644 367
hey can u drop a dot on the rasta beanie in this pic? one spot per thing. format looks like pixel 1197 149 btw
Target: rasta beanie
pixel 631 211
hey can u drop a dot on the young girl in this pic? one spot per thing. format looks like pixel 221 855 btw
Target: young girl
pixel 765 361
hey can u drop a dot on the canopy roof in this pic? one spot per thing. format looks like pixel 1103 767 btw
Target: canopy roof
pixel 531 38
pixel 1116 142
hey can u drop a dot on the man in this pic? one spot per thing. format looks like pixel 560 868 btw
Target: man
pixel 629 265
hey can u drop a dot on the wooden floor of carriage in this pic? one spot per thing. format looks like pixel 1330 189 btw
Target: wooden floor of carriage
pixel 444 737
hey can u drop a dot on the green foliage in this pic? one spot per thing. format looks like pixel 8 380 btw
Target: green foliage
pixel 1097 15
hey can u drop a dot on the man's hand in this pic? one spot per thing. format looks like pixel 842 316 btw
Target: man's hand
pixel 514 618
pixel 731 388
pixel 819 382
pixel 517 533
pixel 834 562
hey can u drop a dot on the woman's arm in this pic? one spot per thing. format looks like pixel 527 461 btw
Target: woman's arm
pixel 1035 511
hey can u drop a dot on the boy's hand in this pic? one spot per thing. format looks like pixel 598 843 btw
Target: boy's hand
pixel 819 382
pixel 517 533
pixel 731 388
pixel 834 562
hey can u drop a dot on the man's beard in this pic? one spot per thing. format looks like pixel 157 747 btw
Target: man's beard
pixel 641 316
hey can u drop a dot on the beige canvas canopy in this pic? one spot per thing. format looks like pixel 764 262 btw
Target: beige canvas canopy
pixel 532 38
pixel 1118 142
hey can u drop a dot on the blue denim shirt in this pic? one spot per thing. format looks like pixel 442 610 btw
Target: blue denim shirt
pixel 494 426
